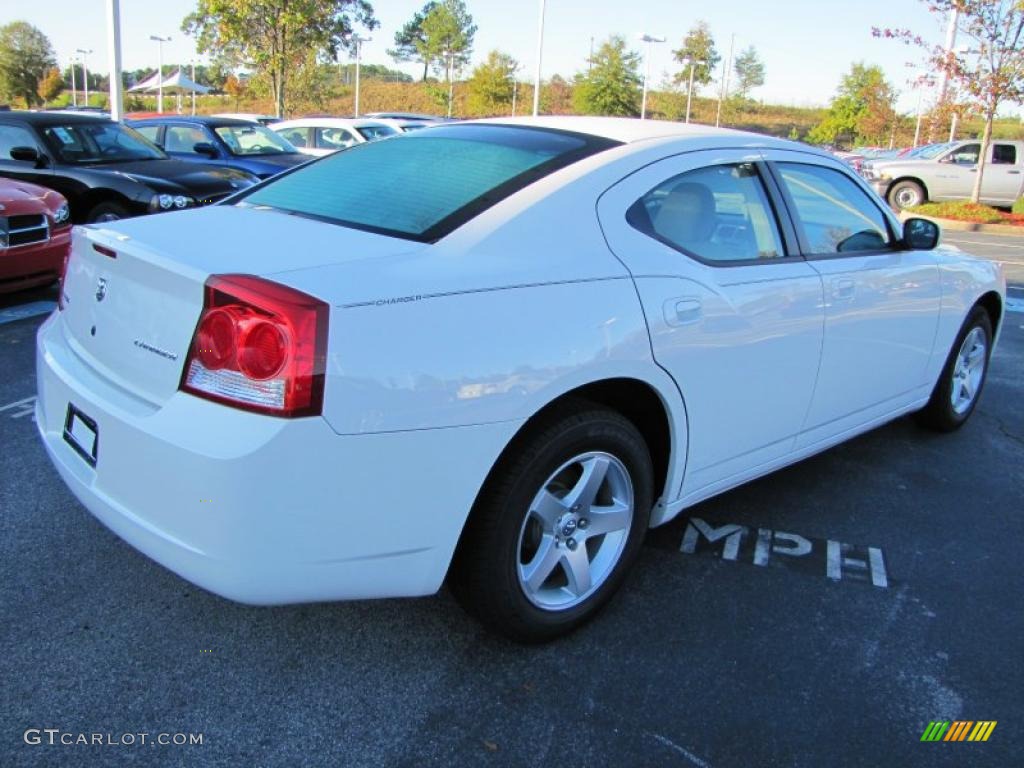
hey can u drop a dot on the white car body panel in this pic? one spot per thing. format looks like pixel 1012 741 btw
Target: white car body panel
pixel 350 125
pixel 439 353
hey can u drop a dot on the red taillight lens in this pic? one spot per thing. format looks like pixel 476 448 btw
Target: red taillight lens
pixel 260 346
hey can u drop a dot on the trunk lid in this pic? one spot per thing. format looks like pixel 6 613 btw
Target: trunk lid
pixel 131 315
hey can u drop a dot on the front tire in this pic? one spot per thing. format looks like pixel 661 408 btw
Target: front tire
pixel 962 377
pixel 906 194
pixel 107 211
pixel 557 526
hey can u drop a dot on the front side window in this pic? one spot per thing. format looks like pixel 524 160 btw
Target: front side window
pixel 374 132
pixel 966 155
pixel 1004 154
pixel 12 136
pixel 427 184
pixel 297 137
pixel 253 140
pixel 717 214
pixel 836 215
pixel 151 132
pixel 183 138
pixel 334 138
pixel 99 142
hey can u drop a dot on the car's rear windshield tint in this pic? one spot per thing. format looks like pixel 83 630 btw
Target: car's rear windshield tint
pixel 423 185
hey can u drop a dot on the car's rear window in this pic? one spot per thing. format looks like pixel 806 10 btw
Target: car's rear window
pixel 423 185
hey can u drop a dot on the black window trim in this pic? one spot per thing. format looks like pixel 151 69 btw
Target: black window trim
pixel 592 145
pixel 805 247
pixel 783 228
pixel 40 146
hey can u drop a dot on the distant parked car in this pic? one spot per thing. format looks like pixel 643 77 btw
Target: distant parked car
pixel 408 116
pixel 222 141
pixel 252 117
pixel 404 125
pixel 324 135
pixel 947 172
pixel 106 170
pixel 35 227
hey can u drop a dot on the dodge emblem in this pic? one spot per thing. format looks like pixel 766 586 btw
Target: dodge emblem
pixel 101 289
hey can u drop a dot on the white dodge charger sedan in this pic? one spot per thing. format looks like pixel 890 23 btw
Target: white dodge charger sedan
pixel 493 352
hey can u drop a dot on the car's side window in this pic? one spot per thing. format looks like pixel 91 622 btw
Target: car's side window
pixel 1004 154
pixel 151 132
pixel 12 136
pixel 836 215
pixel 966 155
pixel 719 214
pixel 297 137
pixel 334 138
pixel 183 138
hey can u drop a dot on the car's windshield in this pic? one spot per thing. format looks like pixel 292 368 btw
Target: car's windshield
pixel 425 184
pixel 929 151
pixel 373 132
pixel 253 140
pixel 99 142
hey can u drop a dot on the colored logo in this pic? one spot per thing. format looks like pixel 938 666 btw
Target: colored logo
pixel 959 730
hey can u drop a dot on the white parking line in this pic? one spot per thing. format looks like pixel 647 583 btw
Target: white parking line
pixel 958 241
pixel 23 407
pixel 32 309
pixel 1014 305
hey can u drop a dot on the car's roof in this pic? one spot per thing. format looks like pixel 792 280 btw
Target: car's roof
pixel 196 119
pixel 407 116
pixel 54 116
pixel 624 129
pixel 339 122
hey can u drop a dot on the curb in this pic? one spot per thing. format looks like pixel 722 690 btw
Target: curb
pixel 1008 230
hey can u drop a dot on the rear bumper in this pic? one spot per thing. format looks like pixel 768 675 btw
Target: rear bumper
pixel 258 509
pixel 37 264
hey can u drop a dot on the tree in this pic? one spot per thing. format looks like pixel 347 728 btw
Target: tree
pixel 51 86
pixel 410 41
pixel 277 38
pixel 448 31
pixel 611 85
pixel 698 46
pixel 26 57
pixel 862 110
pixel 994 73
pixel 490 86
pixel 749 71
pixel 235 88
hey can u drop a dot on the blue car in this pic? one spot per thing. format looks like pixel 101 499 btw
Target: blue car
pixel 222 141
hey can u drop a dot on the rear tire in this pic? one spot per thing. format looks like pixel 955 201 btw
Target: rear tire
pixel 963 376
pixel 107 211
pixel 557 526
pixel 906 194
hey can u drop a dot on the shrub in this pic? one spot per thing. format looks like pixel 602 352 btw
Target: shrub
pixel 1018 207
pixel 960 210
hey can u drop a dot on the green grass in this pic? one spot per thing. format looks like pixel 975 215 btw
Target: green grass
pixel 961 210
pixel 1018 207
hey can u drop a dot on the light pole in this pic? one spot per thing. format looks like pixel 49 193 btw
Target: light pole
pixel 160 70
pixel 540 49
pixel 450 56
pixel 647 69
pixel 114 58
pixel 193 63
pixel 726 71
pixel 512 70
pixel 689 89
pixel 74 87
pixel 921 83
pixel 85 71
pixel 359 55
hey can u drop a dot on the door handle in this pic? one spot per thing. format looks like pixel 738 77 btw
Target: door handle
pixel 683 311
pixel 842 288
pixel 1015 173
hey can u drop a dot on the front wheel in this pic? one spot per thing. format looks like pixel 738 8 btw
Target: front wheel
pixel 561 520
pixel 963 376
pixel 107 212
pixel 906 194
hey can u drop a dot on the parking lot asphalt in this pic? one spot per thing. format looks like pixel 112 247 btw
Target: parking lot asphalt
pixel 702 660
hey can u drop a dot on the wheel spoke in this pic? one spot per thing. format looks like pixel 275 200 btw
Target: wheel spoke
pixel 975 356
pixel 585 491
pixel 536 572
pixel 577 569
pixel 608 519
pixel 968 388
pixel 547 509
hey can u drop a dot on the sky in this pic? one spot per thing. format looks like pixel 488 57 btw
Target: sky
pixel 806 45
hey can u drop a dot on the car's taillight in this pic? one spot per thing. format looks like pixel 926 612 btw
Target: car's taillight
pixel 260 346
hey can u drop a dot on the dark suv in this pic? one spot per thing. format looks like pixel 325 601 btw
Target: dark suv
pixel 106 170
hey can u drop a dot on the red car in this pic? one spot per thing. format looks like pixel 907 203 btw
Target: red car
pixel 35 234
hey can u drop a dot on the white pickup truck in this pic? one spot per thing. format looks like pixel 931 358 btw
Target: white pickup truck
pixel 947 172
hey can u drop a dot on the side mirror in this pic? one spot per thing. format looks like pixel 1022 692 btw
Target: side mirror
pixel 920 234
pixel 26 155
pixel 206 148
